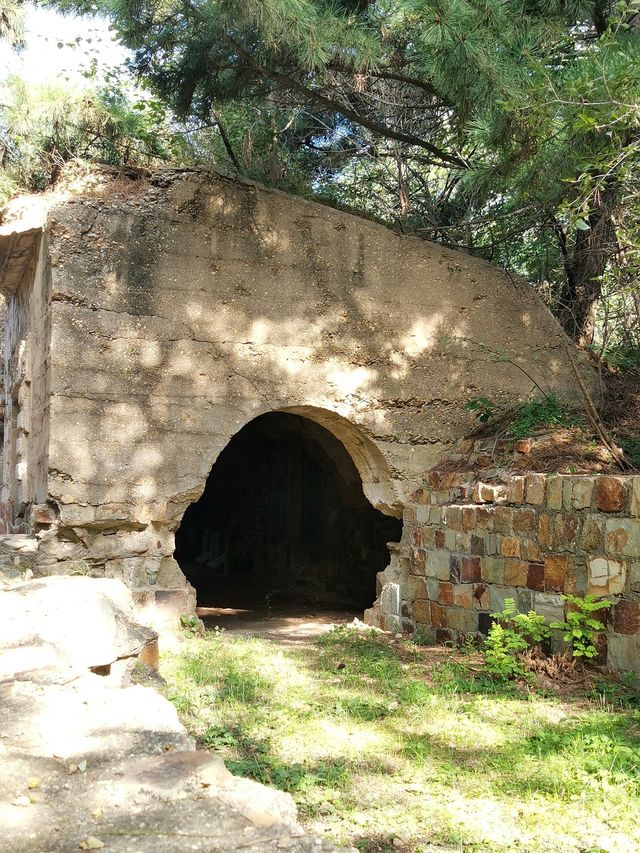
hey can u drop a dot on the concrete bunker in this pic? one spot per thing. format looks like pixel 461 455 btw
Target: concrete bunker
pixel 149 321
pixel 284 515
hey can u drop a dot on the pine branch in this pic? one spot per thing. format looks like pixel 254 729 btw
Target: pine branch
pixel 336 106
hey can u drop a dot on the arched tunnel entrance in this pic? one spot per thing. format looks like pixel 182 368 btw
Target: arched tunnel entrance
pixel 284 517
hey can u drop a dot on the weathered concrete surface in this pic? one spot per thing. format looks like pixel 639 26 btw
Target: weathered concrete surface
pixel 86 763
pixel 163 317
pixel 64 626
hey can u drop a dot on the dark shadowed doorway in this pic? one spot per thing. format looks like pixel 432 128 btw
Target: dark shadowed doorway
pixel 283 518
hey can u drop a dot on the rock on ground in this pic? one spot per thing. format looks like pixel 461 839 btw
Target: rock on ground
pixel 86 763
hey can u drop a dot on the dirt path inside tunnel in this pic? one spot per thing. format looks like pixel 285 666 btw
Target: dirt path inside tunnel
pixel 289 621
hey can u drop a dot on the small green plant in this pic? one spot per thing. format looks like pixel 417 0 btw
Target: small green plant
pixel 191 624
pixel 482 408
pixel 580 625
pixel 511 634
pixel 530 626
pixel 547 411
pixel 501 650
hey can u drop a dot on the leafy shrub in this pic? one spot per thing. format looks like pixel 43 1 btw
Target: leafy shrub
pixel 511 634
pixel 542 412
pixel 501 649
pixel 482 408
pixel 580 626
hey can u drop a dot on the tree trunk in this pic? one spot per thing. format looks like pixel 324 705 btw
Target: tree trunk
pixel 585 265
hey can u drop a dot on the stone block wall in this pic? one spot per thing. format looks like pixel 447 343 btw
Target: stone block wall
pixel 532 538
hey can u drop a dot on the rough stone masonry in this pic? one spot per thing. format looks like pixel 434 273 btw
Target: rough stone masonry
pixel 149 320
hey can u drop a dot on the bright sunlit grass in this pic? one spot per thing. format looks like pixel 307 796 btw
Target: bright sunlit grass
pixel 385 751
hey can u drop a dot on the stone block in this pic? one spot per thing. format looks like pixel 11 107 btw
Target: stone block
pixel 450 537
pixel 455 568
pixel 43 514
pixel 477 545
pixel 172 603
pixel 113 512
pixel 480 596
pixel 428 536
pixel 535 576
pixel 624 653
pixel 391 599
pixel 534 489
pixel 484 518
pixel 549 605
pixel 491 544
pixel 435 515
pixel 433 587
pixel 592 533
pixel 545 530
pixel 462 620
pixel 575 582
pixel 463 543
pixel 150 654
pixel 634 575
pixel 565 532
pixel 416 588
pixel 498 595
pixel 445 637
pixel 417 561
pixel 462 596
pixel 515 490
pixel 515 572
pixel 610 494
pixel 635 497
pixel 524 520
pixel 502 519
pixel 471 570
pixel 437 565
pixel 530 551
pixel 582 493
pixel 130 570
pixel 555 572
pixel 468 518
pixel 422 611
pixel 422 514
pixel 626 617
pixel 622 536
pixel 453 517
pixel 555 484
pixel 493 570
pixel 605 576
pixel 77 515
pixel 169 574
pixel 510 546
pixel 524 601
pixel 445 593
pixel 438 615
pixel 439 538
pixel 567 490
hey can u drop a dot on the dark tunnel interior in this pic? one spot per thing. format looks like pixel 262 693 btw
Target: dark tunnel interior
pixel 283 513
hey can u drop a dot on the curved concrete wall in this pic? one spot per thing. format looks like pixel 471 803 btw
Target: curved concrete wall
pixel 183 307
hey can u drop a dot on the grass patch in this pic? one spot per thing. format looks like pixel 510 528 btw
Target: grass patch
pixel 387 746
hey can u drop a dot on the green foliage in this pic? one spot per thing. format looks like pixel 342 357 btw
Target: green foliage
pixel 482 408
pixel 542 412
pixel 46 126
pixel 501 649
pixel 580 625
pixel 511 634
